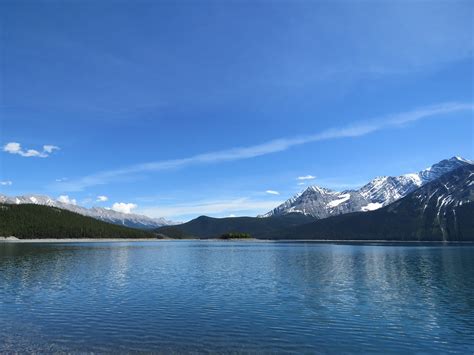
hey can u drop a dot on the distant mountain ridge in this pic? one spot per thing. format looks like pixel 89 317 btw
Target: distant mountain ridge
pixel 440 210
pixel 208 227
pixel 102 214
pixel 322 203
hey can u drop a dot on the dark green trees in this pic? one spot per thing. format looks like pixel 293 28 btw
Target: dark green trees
pixel 35 222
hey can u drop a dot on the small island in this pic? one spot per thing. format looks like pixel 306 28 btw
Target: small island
pixel 227 236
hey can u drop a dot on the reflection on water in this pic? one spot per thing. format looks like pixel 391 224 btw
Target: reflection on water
pixel 233 296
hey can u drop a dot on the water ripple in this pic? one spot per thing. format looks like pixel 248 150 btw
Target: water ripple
pixel 236 297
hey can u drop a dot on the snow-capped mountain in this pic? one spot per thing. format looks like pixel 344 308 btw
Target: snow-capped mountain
pixel 440 210
pixel 103 214
pixel 443 195
pixel 387 189
pixel 321 203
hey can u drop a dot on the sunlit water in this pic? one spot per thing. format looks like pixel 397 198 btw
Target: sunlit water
pixel 236 296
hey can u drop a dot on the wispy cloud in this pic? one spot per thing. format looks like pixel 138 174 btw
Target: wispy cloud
pixel 272 192
pixel 306 177
pixel 274 146
pixel 102 198
pixel 6 183
pixel 15 148
pixel 243 205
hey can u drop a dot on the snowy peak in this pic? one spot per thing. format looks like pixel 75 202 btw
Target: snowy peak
pixel 387 189
pixel 320 202
pixel 35 199
pixel 103 214
pixel 128 219
pixel 317 189
pixel 444 166
pixel 453 189
pixel 443 206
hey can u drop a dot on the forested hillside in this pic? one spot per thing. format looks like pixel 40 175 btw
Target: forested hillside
pixel 35 221
pixel 208 227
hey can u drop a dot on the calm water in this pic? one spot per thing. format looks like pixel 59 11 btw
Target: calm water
pixel 236 296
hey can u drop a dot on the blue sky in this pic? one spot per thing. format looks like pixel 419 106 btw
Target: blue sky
pixel 212 107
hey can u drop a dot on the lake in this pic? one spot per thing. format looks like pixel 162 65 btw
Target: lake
pixel 209 296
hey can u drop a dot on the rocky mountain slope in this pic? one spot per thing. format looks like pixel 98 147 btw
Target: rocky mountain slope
pixel 441 210
pixel 322 203
pixel 102 214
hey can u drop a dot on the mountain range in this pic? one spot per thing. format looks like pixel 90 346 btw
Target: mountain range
pixel 102 214
pixel 321 203
pixel 441 208
pixel 435 204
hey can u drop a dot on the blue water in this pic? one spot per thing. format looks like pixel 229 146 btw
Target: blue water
pixel 236 297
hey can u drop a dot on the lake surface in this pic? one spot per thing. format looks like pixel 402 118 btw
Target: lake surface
pixel 209 296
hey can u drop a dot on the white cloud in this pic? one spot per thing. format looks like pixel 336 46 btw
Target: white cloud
pixel 12 147
pixel 241 206
pixel 50 148
pixel 61 179
pixel 15 148
pixel 306 177
pixel 278 145
pixel 66 199
pixel 272 192
pixel 6 183
pixel 102 198
pixel 301 183
pixel 232 215
pixel 124 207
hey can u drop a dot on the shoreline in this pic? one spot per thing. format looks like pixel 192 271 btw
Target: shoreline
pixel 128 240
pixel 373 241
pixel 78 240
